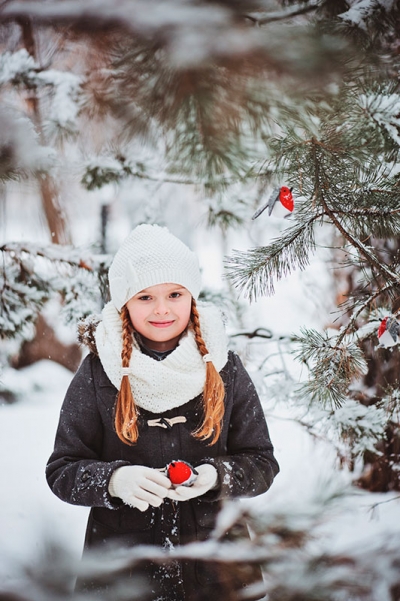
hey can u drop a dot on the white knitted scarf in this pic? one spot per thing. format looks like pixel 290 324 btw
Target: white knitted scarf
pixel 162 385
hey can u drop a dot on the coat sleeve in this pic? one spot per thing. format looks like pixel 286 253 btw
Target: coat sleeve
pixel 75 471
pixel 249 467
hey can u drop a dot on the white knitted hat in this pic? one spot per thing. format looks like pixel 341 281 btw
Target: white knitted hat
pixel 151 255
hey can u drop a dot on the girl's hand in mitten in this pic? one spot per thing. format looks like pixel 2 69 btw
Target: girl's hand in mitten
pixel 206 480
pixel 139 486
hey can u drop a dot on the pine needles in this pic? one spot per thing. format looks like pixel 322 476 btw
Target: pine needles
pixel 333 367
pixel 256 270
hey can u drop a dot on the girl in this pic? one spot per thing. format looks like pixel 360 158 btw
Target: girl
pixel 160 385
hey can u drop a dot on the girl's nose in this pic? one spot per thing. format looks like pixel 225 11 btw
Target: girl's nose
pixel 161 308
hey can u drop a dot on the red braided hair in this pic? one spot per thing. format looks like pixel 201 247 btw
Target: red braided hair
pixel 213 392
pixel 126 414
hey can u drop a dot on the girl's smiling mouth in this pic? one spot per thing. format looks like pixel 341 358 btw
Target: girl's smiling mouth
pixel 161 324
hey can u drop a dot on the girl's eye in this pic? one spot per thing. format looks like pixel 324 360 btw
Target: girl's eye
pixel 175 294
pixel 145 297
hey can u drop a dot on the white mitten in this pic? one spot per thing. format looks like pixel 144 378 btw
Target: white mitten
pixel 139 486
pixel 205 481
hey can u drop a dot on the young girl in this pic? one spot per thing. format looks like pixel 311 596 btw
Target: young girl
pixel 159 385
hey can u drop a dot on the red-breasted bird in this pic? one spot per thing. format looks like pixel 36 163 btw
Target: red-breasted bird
pixel 279 204
pixel 181 473
pixel 388 332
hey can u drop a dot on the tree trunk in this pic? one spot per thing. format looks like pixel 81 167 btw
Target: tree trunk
pixel 55 216
pixel 46 345
pixel 381 469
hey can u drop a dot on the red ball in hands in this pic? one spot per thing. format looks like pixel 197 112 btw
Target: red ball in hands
pixel 181 473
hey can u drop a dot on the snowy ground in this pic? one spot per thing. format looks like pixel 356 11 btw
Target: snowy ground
pixel 29 510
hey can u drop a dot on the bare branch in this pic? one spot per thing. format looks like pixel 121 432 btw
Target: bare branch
pixel 255 334
pixel 293 11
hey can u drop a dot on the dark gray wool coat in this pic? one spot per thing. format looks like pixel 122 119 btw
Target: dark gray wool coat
pixel 87 451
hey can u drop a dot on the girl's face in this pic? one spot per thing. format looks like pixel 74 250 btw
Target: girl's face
pixel 160 314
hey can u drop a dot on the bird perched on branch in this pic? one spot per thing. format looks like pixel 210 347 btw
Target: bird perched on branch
pixel 279 204
pixel 388 332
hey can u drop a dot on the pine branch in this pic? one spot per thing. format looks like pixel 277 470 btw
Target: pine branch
pixel 105 169
pixel 352 323
pixel 254 271
pixel 384 271
pixel 31 275
pixel 366 212
pixel 333 367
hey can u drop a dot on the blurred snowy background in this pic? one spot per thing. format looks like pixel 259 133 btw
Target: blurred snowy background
pixel 188 115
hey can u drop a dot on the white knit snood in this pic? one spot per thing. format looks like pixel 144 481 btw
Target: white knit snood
pixel 162 385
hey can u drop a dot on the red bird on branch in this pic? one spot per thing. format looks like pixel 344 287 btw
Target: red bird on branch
pixel 279 204
pixel 388 332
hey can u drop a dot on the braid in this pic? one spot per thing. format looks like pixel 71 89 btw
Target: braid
pixel 213 392
pixel 126 414
pixel 127 342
